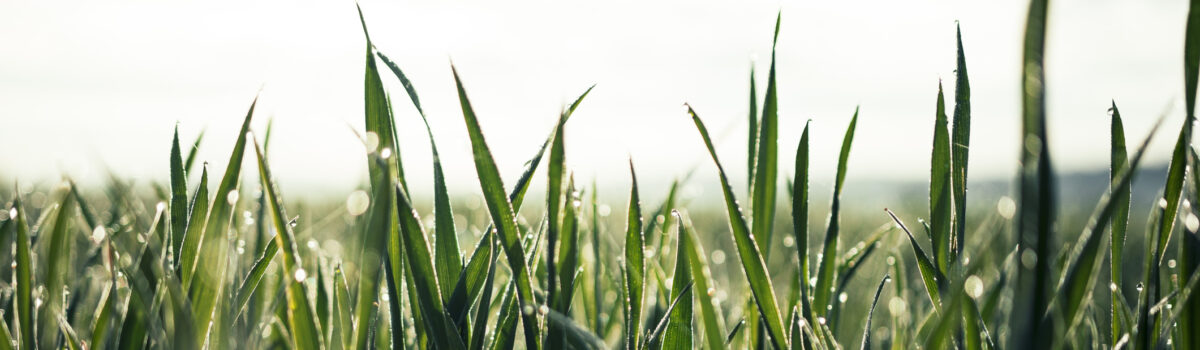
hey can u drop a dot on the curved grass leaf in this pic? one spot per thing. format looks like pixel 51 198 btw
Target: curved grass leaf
pixel 866 337
pixel 827 265
pixel 710 316
pixel 930 276
pixel 191 158
pixel 764 182
pixel 662 324
pixel 752 260
pixel 502 214
pixel 420 263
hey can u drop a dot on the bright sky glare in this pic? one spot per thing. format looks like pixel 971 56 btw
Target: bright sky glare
pixel 90 86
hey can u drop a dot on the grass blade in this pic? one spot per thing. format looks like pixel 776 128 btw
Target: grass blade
pixel 827 266
pixel 932 278
pixel 678 335
pixel 1120 217
pixel 24 276
pixel 554 209
pixel 191 158
pixel 960 146
pixel 752 260
pixel 501 210
pixel 800 217
pixel 379 226
pixel 634 264
pixel 178 197
pixel 764 182
pixel 301 318
pixel 191 238
pixel 940 206
pixel 568 257
pixel 662 325
pixel 1035 202
pixel 420 263
pixel 866 337
pixel 58 267
pixel 709 310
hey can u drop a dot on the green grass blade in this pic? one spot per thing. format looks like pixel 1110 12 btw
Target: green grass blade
pixel 58 268
pixel 342 334
pixel 1120 217
pixel 1035 201
pixel 930 276
pixel 378 112
pixel 634 264
pixel 191 158
pixel 502 214
pixel 752 261
pixel 254 277
pixel 484 310
pixel 764 183
pixel 827 265
pixel 752 137
pixel 302 320
pixel 178 197
pixel 652 337
pixel 940 206
pixel 379 226
pixel 104 315
pixel 866 337
pixel 568 257
pixel 556 218
pixel 420 263
pixel 800 216
pixel 678 335
pixel 208 275
pixel 960 141
pixel 24 277
pixel 191 238
pixel 710 317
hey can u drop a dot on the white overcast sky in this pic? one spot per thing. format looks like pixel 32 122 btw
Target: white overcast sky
pixel 91 85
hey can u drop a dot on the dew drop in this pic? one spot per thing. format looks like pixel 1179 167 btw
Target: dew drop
pixel 1171 263
pixel 232 197
pixel 300 274
pixel 1139 287
pixel 842 297
pixel 821 320
pixel 357 203
pixel 1112 287
pixel 974 286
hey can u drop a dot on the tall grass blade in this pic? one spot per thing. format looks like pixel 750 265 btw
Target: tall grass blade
pixel 933 279
pixel 502 214
pixel 58 267
pixel 752 137
pixel 710 317
pixel 678 335
pixel 941 209
pixel 827 265
pixel 960 141
pixel 866 337
pixel 764 182
pixel 634 264
pixel 1119 223
pixel 198 213
pixel 1035 202
pixel 24 277
pixel 800 217
pixel 420 263
pixel 753 264
pixel 179 214
pixel 554 213
pixel 652 337
pixel 370 260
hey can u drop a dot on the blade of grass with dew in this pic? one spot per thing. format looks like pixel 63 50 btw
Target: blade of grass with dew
pixel 568 256
pixel 378 111
pixel 753 264
pixel 341 336
pixel 254 277
pixel 634 264
pixel 930 276
pixel 1077 284
pixel 379 226
pixel 710 316
pixel 506 329
pixel 1191 78
pixel 420 262
pixel 484 310
pixel 960 142
pixel 1035 202
pixel 191 237
pixel 301 318
pixel 104 315
pixel 24 276
pixel 555 217
pixel 1120 218
pixel 678 335
pixel 58 266
pixel 866 337
pixel 208 274
pixel 940 208
pixel 800 217
pixel 652 337
pixel 191 158
pixel 597 269
pixel 764 183
pixel 827 268
pixel 752 137
pixel 178 197
pixel 502 214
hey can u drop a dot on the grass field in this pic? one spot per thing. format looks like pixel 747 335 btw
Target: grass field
pixel 188 264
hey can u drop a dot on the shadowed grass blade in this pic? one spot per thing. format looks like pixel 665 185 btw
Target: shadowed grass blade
pixel 1035 202
pixel 940 208
pixel 800 217
pixel 208 279
pixel 930 276
pixel 24 276
pixel 752 260
pixel 379 226
pixel 420 263
pixel 58 267
pixel 1190 249
pixel 301 318
pixel 502 214
pixel 178 197
pixel 634 264
pixel 1120 217
pixel 960 146
pixel 710 316
pixel 191 238
pixel 827 266
pixel 678 335
pixel 866 337
pixel 662 325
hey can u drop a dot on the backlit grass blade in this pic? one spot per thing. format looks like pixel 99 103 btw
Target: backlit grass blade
pixel 678 335
pixel 960 146
pixel 191 157
pixel 1120 217
pixel 752 137
pixel 940 208
pixel 301 318
pixel 1077 284
pixel 254 277
pixel 710 317
pixel 484 310
pixel 178 197
pixel 449 262
pixel 370 260
pixel 58 267
pixel 341 336
pixel 930 276
pixel 752 260
pixel 764 183
pixel 506 328
pixel 24 277
pixel 576 335
pixel 104 315
pixel 827 264
pixel 634 264
pixel 568 257
pixel 191 238
pixel 652 337
pixel 555 217
pixel 1189 251
pixel 502 214
pixel 800 216
pixel 378 112
pixel 866 337
pixel 1035 201
pixel 420 263
pixel 208 275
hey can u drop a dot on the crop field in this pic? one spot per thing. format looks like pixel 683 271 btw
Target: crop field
pixel 205 260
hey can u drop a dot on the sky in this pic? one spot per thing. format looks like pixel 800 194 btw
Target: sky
pixel 89 87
